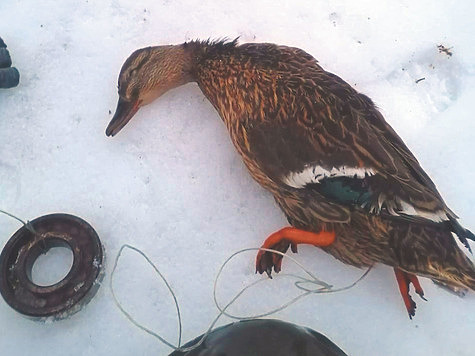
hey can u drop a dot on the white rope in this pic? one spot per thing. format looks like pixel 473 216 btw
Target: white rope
pixel 27 224
pixel 131 319
pixel 321 287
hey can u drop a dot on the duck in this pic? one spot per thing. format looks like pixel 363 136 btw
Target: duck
pixel 345 180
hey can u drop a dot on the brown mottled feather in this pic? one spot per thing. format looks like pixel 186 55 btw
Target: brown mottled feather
pixel 283 111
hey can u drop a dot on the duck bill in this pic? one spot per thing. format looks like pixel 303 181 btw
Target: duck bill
pixel 124 112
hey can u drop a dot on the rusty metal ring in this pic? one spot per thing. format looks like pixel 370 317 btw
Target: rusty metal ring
pixel 74 290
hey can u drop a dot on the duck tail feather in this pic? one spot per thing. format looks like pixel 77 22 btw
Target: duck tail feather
pixel 463 234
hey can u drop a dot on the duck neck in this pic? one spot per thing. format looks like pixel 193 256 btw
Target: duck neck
pixel 184 61
pixel 192 54
pixel 200 53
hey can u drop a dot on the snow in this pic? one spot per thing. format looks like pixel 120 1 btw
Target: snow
pixel 172 184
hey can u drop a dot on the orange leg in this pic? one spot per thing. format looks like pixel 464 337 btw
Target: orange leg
pixel 281 240
pixel 404 280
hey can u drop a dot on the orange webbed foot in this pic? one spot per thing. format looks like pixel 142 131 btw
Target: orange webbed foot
pixel 404 280
pixel 281 240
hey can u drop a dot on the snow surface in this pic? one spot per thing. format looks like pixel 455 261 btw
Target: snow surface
pixel 171 183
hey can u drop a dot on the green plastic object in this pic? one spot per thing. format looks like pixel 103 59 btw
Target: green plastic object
pixel 5 59
pixel 9 77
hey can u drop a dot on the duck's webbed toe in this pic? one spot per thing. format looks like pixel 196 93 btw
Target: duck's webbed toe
pixel 404 280
pixel 266 260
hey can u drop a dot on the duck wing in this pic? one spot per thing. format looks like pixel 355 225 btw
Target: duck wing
pixel 321 137
pixel 325 137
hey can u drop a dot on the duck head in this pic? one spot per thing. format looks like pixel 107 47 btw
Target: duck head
pixel 146 75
